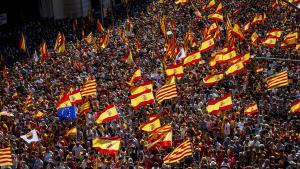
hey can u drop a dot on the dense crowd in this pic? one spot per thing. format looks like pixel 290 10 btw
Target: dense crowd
pixel 231 139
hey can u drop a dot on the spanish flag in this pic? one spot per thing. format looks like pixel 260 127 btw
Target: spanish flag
pixel 22 44
pixel 64 101
pixel 161 136
pixel 213 79
pixel 100 27
pixel 274 33
pixel 60 43
pixel 215 17
pixel 107 145
pixel 234 69
pixel 257 19
pixel 270 41
pixel 75 97
pixel 108 114
pixel 71 132
pixel 141 99
pixel 225 57
pixel 212 28
pixel 39 115
pixel 128 57
pixel 237 32
pixel 135 77
pixel 251 109
pixel 175 70
pixel 150 125
pixel 104 41
pixel 212 62
pixel 220 104
pixel 210 5
pixel 254 38
pixel 207 44
pixel 245 58
pixel 217 33
pixel 193 57
pixel 295 107
pixel 141 88
pixel 290 40
pixel 185 149
pixel 246 27
pixel 219 8
pixel 44 51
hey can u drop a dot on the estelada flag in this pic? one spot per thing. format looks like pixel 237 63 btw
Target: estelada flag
pixel 107 145
pixel 128 57
pixel 44 51
pixel 142 99
pixel 210 5
pixel 207 44
pixel 22 44
pixel 75 97
pixel 150 125
pixel 99 26
pixel 213 78
pixel 60 43
pixel 191 58
pixel 136 76
pixel 71 132
pixel 295 107
pixel 175 70
pixel 269 41
pixel 222 103
pixel 251 109
pixel 141 88
pixel 215 17
pixel 234 69
pixel 237 32
pixel 108 114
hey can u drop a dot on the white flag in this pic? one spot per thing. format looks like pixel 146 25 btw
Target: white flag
pixel 31 136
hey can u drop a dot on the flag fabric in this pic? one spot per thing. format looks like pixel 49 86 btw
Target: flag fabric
pixel 161 136
pixel 44 52
pixel 104 41
pixel 85 107
pixel 212 28
pixel 181 1
pixel 234 69
pixel 220 104
pixel 89 38
pixel 224 57
pixel 167 91
pixel 30 137
pixel 100 27
pixel 215 17
pixel 89 88
pixel 136 76
pixel 274 33
pixel 75 97
pixel 257 19
pixel 64 101
pixel 290 40
pixel 71 132
pixel 237 32
pixel 210 5
pixel 39 115
pixel 254 38
pixel 245 58
pixel 185 149
pixel 67 113
pixel 246 27
pixel 163 25
pixel 277 80
pixel 141 99
pixel 28 101
pixel 6 157
pixel 108 114
pixel 150 125
pixel 60 43
pixel 175 70
pixel 193 57
pixel 22 44
pixel 207 44
pixel 107 145
pixel 128 57
pixel 213 78
pixel 251 109
pixel 219 8
pixel 295 107
pixel 141 88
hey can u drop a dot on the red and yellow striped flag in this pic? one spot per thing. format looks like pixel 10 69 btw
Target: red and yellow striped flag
pixel 107 145
pixel 144 98
pixel 193 57
pixel 75 97
pixel 44 52
pixel 213 79
pixel 6 157
pixel 245 58
pixel 28 101
pixel 141 88
pixel 224 57
pixel 39 115
pixel 257 19
pixel 215 17
pixel 104 41
pixel 163 25
pixel 277 80
pixel 100 27
pixel 254 38
pixel 60 43
pixel 222 103
pixel 246 27
pixel 234 69
pixel 71 132
pixel 210 5
pixel 135 77
pixel 150 125
pixel 89 88
pixel 251 109
pixel 237 32
pixel 181 1
pixel 290 40
pixel 108 114
pixel 85 107
pixel 175 70
pixel 185 149
pixel 207 44
pixel 274 33
pixel 128 57
pixel 212 28
pixel 167 91
pixel 219 8
pixel 161 136
pixel 22 44
pixel 295 107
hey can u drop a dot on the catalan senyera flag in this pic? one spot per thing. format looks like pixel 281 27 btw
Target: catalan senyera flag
pixel 44 51
pixel 75 97
pixel 175 70
pixel 246 27
pixel 277 80
pixel 210 5
pixel 104 41
pixel 207 44
pixel 275 33
pixel 219 8
pixel 191 58
pixel 71 132
pixel 237 32
pixel 167 91
pixel 141 88
pixel 185 149
pixel 109 113
pixel 222 103
pixel 254 38
pixel 6 157
pixel 59 46
pixel 89 88
pixel 150 125
pixel 234 69
pixel 85 107
pixel 216 17
pixel 100 27
pixel 141 99
pixel 107 145
pixel 245 58
pixel 295 107
pixel 136 76
pixel 251 109
pixel 128 57
pixel 213 78
pixel 269 41
pixel 163 25
pixel 22 44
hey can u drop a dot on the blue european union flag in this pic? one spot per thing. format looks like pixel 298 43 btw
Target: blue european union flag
pixel 67 113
